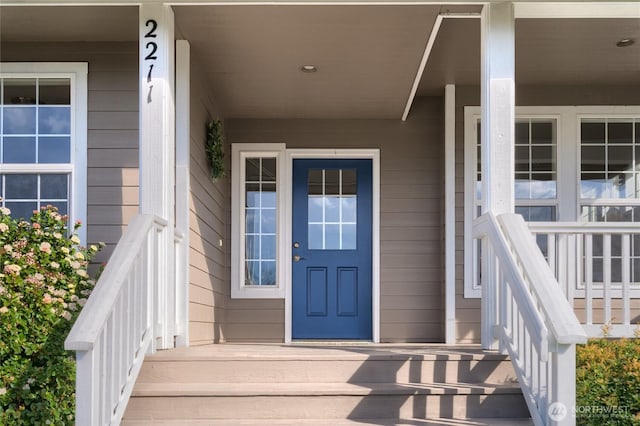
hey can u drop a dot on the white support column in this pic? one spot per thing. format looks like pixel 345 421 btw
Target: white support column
pixel 157 151
pixel 450 212
pixel 498 128
pixel 183 135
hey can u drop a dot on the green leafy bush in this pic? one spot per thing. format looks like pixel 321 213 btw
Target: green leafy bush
pixel 608 382
pixel 43 285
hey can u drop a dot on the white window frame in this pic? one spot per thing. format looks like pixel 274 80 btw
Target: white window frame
pixel 76 72
pixel 240 152
pixel 568 168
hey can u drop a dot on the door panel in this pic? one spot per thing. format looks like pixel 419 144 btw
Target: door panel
pixel 331 269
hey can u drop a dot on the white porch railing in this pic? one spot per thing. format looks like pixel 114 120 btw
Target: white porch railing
pixel 534 323
pixel 598 268
pixel 119 323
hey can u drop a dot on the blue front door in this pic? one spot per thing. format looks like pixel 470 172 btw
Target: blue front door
pixel 331 272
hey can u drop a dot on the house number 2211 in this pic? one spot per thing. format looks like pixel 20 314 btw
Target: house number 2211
pixel 151 47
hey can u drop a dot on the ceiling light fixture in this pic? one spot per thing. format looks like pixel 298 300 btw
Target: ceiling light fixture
pixel 308 68
pixel 625 42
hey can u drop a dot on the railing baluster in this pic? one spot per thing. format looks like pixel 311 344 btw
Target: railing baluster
pixel 588 279
pixel 606 277
pixel 626 273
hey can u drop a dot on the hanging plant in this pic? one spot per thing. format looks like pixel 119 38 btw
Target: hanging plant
pixel 215 149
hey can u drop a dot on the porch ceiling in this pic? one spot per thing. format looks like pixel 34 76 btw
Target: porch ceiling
pixel 549 52
pixel 367 56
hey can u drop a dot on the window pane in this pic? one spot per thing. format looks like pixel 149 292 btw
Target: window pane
pixel 332 182
pixel 349 209
pixel 593 185
pixel 55 91
pixel 522 133
pixel 252 273
pixel 543 132
pixel 252 247
pixel 21 187
pixel 252 170
pixel 54 150
pixel 268 221
pixel 268 273
pixel 19 91
pixel 543 158
pixel 593 158
pixel 268 169
pixel 268 247
pixel 522 158
pixel 54 120
pixel 252 223
pixel 349 186
pixel 332 209
pixel 252 196
pixel 332 237
pixel 543 186
pixel 22 209
pixel 19 150
pixel 620 158
pixel 592 132
pixel 53 187
pixel 620 133
pixel 349 237
pixel 268 195
pixel 315 236
pixel 316 208
pixel 19 121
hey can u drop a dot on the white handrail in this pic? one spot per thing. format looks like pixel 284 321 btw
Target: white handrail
pixel 534 322
pixel 115 329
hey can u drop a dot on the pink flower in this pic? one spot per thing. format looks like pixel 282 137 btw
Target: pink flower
pixel 3 227
pixel 47 299
pixel 36 225
pixel 45 247
pixel 12 269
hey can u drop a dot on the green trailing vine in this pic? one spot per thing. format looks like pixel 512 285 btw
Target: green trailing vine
pixel 215 149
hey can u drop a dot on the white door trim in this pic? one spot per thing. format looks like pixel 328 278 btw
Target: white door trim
pixel 374 156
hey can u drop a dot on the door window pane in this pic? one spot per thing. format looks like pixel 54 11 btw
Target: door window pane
pixel 332 209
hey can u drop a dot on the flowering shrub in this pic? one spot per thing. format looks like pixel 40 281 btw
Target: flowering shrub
pixel 43 285
pixel 608 382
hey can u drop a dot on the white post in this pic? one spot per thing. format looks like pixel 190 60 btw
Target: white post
pixel 183 134
pixel 562 407
pixel 498 128
pixel 157 150
pixel 87 382
pixel 450 212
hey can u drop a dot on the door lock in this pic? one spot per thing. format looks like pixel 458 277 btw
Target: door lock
pixel 296 245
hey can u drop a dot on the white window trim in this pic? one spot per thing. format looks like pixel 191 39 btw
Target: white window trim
pixel 240 151
pixel 77 73
pixel 568 170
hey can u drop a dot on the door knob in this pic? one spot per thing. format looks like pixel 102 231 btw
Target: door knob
pixel 297 258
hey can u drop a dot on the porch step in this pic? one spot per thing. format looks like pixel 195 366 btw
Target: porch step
pixel 241 384
pixel 339 422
